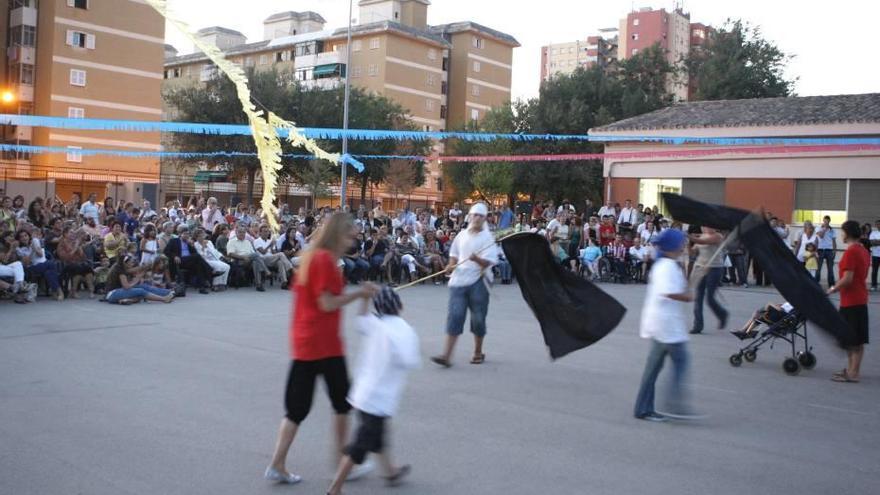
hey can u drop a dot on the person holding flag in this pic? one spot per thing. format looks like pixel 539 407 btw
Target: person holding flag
pixel 471 257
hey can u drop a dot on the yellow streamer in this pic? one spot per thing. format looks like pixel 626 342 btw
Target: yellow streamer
pixel 263 126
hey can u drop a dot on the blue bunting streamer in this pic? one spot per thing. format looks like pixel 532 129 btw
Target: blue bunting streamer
pixel 382 134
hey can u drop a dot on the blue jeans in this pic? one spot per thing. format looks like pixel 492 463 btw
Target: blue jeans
pixel 504 270
pixel 49 270
pixel 356 268
pixel 677 401
pixel 139 291
pixel 474 297
pixel 708 287
pixel 826 255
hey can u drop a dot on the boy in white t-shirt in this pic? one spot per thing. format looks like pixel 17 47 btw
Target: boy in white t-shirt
pixel 389 350
pixel 664 321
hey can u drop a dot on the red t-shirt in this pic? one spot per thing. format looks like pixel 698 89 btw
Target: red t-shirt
pixel 314 334
pixel 606 234
pixel 857 260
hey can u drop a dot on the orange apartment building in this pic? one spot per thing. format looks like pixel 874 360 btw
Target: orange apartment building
pixel 443 75
pixel 84 59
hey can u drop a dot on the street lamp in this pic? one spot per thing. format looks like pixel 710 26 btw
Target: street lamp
pixel 7 97
pixel 345 106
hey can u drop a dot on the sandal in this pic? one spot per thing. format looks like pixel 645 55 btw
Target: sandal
pixel 442 361
pixel 397 478
pixel 478 359
pixel 843 378
pixel 840 373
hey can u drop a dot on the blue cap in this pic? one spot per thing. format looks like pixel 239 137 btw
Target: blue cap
pixel 670 240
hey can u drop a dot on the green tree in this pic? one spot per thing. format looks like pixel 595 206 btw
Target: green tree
pixel 738 63
pixel 316 177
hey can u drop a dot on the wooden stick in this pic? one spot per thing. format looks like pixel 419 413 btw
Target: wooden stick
pixel 429 277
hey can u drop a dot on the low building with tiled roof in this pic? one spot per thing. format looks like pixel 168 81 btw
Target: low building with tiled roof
pixel 794 183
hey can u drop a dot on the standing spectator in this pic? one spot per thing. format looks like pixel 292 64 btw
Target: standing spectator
pixel 737 272
pixel 182 255
pixel 240 249
pixel 468 285
pixel 853 290
pixel 874 241
pixel 826 250
pixel 559 230
pixel 710 268
pixel 807 237
pixel 90 208
pixel 316 343
pixel 506 219
pixel 211 215
pixel 628 215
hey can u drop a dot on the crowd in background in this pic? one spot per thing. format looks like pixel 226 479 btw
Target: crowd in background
pixel 124 252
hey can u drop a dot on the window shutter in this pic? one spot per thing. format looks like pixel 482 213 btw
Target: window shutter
pixel 71 3
pixel 820 194
pixel 864 201
pixel 90 41
pixel 705 190
pixel 70 35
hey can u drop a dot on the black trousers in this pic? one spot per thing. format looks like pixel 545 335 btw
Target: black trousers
pixel 196 266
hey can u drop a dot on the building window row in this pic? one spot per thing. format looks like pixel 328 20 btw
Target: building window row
pixel 375 43
pixel 74 154
pixel 477 66
pixel 429 105
pixel 24 35
pixel 475 114
pixel 80 39
pixel 173 73
pixel 373 70
pixel 431 80
pixel 78 4
pixel 76 113
pixel 77 77
pixel 478 42
pixel 475 90
pixel 357 45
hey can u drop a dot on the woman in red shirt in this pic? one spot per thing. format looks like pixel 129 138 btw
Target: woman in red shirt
pixel 853 288
pixel 315 341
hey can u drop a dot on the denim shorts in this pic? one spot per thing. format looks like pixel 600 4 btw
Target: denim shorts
pixel 474 297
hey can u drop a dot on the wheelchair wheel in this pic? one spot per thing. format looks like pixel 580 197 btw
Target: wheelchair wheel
pixel 736 360
pixel 791 366
pixel 750 356
pixel 807 359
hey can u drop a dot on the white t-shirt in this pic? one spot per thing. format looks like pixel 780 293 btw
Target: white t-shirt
pixel 803 246
pixel 261 243
pixel 390 348
pixel 606 211
pixel 665 319
pixel 465 244
pixel 628 215
pixel 89 210
pixel 875 236
pixel 562 230
pixel 639 253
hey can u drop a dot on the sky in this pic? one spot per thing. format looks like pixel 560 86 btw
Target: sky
pixel 833 42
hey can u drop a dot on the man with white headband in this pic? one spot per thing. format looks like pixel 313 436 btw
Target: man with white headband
pixel 469 283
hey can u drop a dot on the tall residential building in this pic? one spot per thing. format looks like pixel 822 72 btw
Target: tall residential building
pixel 671 30
pixel 564 58
pixel 442 75
pixel 84 58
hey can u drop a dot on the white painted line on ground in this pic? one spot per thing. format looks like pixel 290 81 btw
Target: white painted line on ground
pixel 842 409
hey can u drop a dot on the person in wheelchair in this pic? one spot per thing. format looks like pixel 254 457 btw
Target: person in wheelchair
pixel 617 254
pixel 590 258
pixel 768 315
pixel 638 259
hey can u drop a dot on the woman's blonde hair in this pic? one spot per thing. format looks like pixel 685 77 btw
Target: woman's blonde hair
pixel 332 236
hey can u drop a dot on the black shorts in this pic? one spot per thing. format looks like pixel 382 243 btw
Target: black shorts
pixel 857 319
pixel 370 437
pixel 301 386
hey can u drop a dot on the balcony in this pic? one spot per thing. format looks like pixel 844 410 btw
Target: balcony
pixel 23 16
pixel 25 92
pixel 18 133
pixel 21 55
pixel 324 84
pixel 326 58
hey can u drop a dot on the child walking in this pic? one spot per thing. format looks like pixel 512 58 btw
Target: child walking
pixel 664 321
pixel 389 350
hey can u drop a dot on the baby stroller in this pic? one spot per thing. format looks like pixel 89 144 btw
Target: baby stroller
pixel 778 322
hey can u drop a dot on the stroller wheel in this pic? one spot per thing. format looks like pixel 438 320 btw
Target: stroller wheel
pixel 791 366
pixel 736 360
pixel 807 359
pixel 750 356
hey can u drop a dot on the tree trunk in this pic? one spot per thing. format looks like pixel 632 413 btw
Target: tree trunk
pixel 249 195
pixel 511 200
pixel 364 191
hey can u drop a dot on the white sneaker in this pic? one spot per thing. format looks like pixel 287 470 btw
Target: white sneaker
pixel 273 474
pixel 359 472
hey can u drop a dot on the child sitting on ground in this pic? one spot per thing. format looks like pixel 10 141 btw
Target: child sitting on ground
pixel 159 275
pixel 390 348
pixel 101 273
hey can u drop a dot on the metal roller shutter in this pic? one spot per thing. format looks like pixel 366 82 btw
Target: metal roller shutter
pixel 864 201
pixel 820 195
pixel 705 190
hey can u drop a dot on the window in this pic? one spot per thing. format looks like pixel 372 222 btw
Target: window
pixel 475 114
pixel 76 113
pixel 429 105
pixel 78 4
pixel 445 63
pixel 248 61
pixel 432 79
pixel 635 36
pixel 77 77
pixel 356 71
pixel 264 60
pixel 477 66
pixel 635 22
pixel 24 35
pixel 209 72
pixel 478 42
pixel 814 199
pixel 278 56
pixel 442 111
pixel 375 43
pixel 27 74
pixel 374 70
pixel 432 54
pixel 635 51
pixel 356 45
pixel 864 200
pixel 444 87
pixel 74 154
pixel 475 90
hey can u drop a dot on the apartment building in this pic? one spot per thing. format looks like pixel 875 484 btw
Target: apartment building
pixel 442 75
pixel 564 58
pixel 85 59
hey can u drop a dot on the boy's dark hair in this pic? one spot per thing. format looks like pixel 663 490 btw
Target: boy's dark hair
pixel 695 229
pixel 852 229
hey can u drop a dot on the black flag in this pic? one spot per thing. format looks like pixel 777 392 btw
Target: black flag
pixel 782 267
pixel 573 312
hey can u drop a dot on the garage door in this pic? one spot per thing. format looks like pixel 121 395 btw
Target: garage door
pixel 864 201
pixel 706 190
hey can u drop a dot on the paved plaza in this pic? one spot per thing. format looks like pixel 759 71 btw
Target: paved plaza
pixel 185 399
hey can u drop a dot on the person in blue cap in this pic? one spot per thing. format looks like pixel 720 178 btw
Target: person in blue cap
pixel 664 321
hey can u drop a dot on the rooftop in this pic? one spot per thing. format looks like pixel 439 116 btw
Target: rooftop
pixel 803 110
pixel 462 26
pixel 301 16
pixel 218 29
